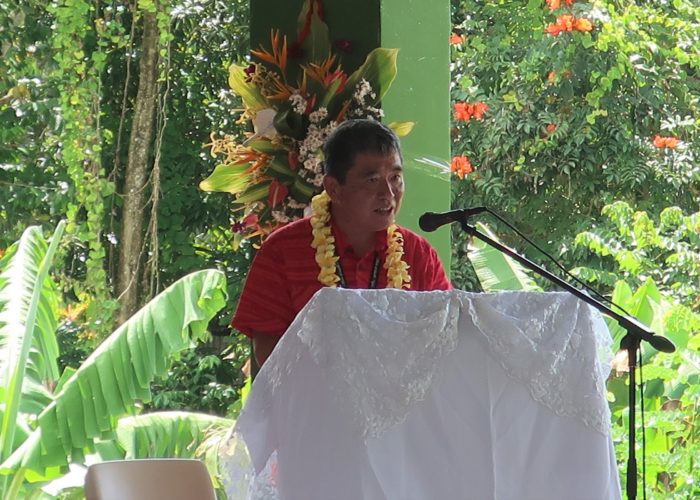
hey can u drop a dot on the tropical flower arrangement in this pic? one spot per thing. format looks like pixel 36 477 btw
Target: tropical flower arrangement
pixel 294 95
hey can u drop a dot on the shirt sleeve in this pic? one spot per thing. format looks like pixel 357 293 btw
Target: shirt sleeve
pixel 427 272
pixel 265 306
pixel 437 277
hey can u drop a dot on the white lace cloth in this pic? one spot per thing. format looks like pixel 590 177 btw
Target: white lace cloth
pixel 385 394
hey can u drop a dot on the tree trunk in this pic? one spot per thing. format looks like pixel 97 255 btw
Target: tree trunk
pixel 137 172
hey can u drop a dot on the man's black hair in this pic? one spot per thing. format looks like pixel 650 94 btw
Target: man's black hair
pixel 356 136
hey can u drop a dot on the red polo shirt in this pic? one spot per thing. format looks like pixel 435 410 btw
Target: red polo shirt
pixel 284 274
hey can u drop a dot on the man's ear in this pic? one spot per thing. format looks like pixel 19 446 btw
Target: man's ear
pixel 332 187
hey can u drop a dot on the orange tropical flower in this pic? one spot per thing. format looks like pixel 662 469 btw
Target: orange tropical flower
pixel 551 128
pixel 456 39
pixel 461 166
pixel 553 4
pixel 479 109
pixel 462 112
pixel 568 22
pixel 583 25
pixel 665 142
pixel 465 111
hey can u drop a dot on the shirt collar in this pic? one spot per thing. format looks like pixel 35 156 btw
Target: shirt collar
pixel 343 246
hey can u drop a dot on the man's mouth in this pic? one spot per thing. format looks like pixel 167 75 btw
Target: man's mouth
pixel 384 211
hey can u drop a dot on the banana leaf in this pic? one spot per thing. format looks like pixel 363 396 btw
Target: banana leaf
pixel 28 346
pixel 118 374
pixel 166 434
pixel 495 270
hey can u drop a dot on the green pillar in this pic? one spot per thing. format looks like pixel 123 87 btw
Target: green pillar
pixel 420 30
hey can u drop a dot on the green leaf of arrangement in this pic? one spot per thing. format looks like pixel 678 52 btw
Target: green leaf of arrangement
pixel 232 179
pixel 317 44
pixel 168 434
pixel 119 372
pixel 250 94
pixel 288 123
pixel 254 193
pixel 497 271
pixel 279 168
pixel 28 347
pixel 379 69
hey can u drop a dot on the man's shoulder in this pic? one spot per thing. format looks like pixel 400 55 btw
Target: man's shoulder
pixel 296 230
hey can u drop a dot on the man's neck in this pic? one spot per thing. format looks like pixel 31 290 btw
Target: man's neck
pixel 361 241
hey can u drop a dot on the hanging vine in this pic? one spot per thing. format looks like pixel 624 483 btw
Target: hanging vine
pixel 78 74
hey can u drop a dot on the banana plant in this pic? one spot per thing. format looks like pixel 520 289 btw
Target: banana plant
pixel 495 270
pixel 50 421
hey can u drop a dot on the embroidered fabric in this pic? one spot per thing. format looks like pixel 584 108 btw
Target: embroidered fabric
pixel 376 353
pixel 556 345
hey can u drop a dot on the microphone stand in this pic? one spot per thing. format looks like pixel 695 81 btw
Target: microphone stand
pixel 636 332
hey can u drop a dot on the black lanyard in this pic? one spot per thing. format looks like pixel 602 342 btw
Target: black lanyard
pixel 373 278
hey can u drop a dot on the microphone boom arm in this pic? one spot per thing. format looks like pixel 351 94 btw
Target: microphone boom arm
pixel 632 326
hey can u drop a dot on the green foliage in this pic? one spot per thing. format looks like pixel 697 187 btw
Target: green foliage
pixel 203 380
pixel 654 264
pixel 666 251
pixel 47 421
pixel 604 94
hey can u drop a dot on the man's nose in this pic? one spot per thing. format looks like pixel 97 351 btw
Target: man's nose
pixel 386 189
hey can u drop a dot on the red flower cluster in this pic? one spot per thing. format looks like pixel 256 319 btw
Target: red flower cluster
pixel 551 128
pixel 461 166
pixel 465 111
pixel 555 4
pixel 568 22
pixel 665 142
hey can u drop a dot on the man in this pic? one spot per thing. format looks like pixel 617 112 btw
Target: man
pixel 350 241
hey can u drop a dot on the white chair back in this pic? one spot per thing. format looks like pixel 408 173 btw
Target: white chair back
pixel 149 479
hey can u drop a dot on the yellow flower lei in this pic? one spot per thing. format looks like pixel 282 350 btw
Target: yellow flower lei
pixel 324 243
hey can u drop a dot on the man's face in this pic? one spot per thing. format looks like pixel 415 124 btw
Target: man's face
pixel 371 196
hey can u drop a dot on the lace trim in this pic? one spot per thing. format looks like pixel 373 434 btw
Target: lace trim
pixel 549 342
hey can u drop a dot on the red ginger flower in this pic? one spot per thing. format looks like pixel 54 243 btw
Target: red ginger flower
pixel 278 192
pixel 461 166
pixel 551 128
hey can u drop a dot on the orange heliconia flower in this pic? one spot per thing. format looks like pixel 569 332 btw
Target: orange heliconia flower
pixel 551 128
pixel 665 142
pixel 465 111
pixel 456 39
pixel 568 22
pixel 461 166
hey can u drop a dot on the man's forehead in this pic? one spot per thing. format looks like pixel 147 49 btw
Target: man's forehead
pixel 375 161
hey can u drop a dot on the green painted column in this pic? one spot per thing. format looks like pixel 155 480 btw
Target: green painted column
pixel 421 94
pixel 420 30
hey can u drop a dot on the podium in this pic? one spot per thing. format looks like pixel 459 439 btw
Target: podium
pixel 395 395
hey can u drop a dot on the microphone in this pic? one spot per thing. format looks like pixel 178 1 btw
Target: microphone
pixel 430 221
